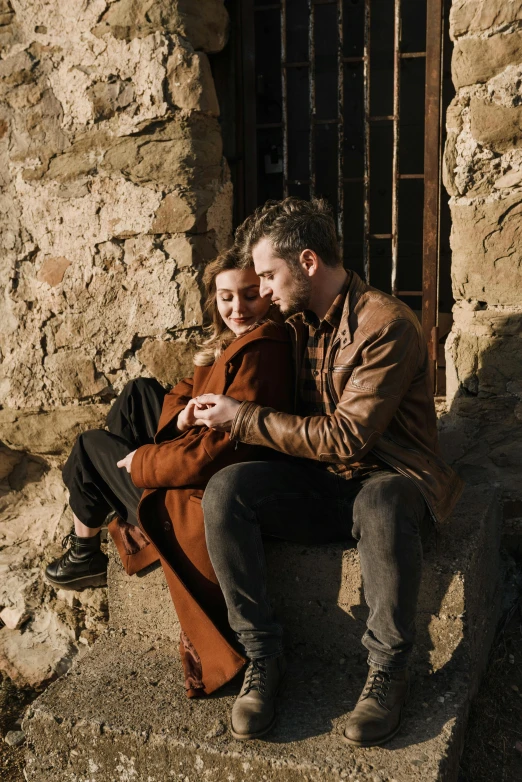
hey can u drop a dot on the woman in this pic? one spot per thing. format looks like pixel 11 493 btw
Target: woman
pixel 152 443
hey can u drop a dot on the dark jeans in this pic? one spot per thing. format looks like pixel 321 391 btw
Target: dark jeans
pixel 295 501
pixel 96 485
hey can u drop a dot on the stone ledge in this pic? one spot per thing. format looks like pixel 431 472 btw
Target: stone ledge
pixel 121 714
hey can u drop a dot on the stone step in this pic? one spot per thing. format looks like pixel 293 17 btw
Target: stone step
pixel 318 596
pixel 121 713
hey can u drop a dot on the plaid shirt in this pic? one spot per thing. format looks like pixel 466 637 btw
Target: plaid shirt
pixel 314 397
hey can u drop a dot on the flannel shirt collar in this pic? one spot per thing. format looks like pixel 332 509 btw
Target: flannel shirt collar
pixel 332 319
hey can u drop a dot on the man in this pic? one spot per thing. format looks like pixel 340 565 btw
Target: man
pixel 367 466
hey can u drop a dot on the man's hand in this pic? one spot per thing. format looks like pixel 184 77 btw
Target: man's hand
pixel 216 411
pixel 126 462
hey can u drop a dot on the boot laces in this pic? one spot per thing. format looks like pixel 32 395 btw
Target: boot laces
pixel 67 540
pixel 377 686
pixel 255 677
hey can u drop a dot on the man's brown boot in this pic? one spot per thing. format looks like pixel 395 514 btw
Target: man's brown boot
pixel 377 714
pixel 253 713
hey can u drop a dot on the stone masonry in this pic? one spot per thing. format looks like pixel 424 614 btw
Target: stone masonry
pixel 113 194
pixel 482 434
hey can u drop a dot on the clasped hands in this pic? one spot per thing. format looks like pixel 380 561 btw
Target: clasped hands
pixel 215 411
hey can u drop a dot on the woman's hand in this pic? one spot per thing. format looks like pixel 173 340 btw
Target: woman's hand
pixel 187 419
pixel 126 462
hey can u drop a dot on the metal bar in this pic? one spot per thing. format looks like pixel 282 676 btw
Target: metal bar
pixel 348 180
pixel 432 163
pixel 353 59
pixel 381 236
pixel 383 118
pixel 411 55
pixel 409 293
pixel 340 128
pixel 248 89
pixel 327 121
pixel 311 96
pixel 411 176
pixel 396 137
pixel 366 89
pixel 284 98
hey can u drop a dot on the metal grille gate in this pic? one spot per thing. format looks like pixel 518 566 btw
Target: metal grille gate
pixel 328 92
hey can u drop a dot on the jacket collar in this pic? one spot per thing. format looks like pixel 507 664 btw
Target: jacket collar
pixel 267 330
pixel 356 288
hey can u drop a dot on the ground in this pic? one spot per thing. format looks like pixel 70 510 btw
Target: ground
pixel 493 748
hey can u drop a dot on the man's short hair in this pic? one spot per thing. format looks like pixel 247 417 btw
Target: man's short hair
pixel 292 225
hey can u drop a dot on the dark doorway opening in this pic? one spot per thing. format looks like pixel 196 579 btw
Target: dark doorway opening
pixel 344 99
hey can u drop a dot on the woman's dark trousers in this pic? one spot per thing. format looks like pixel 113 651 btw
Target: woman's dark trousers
pixel 97 486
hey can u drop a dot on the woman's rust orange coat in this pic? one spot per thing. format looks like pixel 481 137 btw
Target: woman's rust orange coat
pixel 174 472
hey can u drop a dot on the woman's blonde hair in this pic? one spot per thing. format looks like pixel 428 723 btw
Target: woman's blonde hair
pixel 219 335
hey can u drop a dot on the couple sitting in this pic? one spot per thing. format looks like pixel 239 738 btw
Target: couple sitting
pixel 319 430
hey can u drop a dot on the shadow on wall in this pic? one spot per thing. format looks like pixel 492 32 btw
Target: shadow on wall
pixel 481 432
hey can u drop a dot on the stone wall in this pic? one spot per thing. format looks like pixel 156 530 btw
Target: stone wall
pixel 114 193
pixel 483 175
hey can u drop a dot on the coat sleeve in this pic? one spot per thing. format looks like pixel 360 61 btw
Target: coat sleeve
pixel 369 402
pixel 262 373
pixel 175 401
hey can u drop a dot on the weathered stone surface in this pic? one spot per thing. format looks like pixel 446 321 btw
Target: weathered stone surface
pixel 182 211
pixel 51 432
pixel 106 139
pixel 486 244
pixel 168 361
pixel 494 126
pixel 511 179
pixel 476 16
pixel 204 23
pixel 190 81
pixel 183 152
pixel 52 270
pixel 476 60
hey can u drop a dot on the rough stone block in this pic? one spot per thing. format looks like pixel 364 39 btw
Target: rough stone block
pixel 487 254
pixel 204 24
pixel 476 16
pixel 475 60
pixel 496 127
pixel 49 432
pixel 121 712
pixel 182 211
pixel 168 362
pixel 190 81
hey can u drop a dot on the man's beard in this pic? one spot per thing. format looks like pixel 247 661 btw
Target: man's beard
pixel 299 296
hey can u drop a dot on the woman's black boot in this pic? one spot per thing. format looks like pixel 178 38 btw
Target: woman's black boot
pixel 83 564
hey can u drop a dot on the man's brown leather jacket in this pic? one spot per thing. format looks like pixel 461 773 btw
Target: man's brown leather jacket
pixel 378 377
